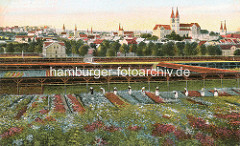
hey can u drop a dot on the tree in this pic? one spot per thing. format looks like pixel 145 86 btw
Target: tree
pixel 10 48
pixel 68 47
pixel 1 50
pixel 180 48
pixel 110 52
pixel 214 50
pixel 174 36
pixel 159 49
pixel 124 49
pixel 30 48
pixel 204 31
pixel 18 49
pixel 147 50
pixel 212 33
pixel 115 46
pixel 133 48
pixel 140 48
pixel 237 52
pixel 145 35
pixel 29 40
pixel 154 51
pixel 168 49
pixel 101 51
pixel 153 38
pixel 38 49
pixel 190 49
pixel 83 50
pixel 203 49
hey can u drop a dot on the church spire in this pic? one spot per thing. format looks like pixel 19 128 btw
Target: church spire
pixel 225 26
pixel 63 28
pixel 75 27
pixel 119 27
pixel 91 31
pixel 177 14
pixel 221 28
pixel 172 15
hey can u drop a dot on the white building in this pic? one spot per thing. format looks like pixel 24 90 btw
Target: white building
pixel 228 50
pixel 54 49
pixel 188 30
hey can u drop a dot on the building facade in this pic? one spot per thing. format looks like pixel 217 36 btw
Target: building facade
pixel 192 30
pixel 54 49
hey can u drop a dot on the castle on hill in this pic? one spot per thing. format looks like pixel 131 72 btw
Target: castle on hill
pixel 191 30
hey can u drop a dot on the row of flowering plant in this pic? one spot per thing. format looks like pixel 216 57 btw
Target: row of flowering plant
pixel 75 104
pixel 115 99
pixel 222 133
pixel 58 104
pixel 11 132
pixel 155 98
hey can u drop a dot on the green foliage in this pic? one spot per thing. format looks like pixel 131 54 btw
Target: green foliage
pixel 38 49
pixel 214 50
pixel 115 47
pixel 1 49
pixel 180 48
pixel 190 49
pixel 101 50
pixel 168 49
pixel 148 36
pixel 204 31
pixel 145 35
pixel 10 48
pixel 133 48
pixel 174 36
pixel 83 50
pixel 153 38
pixel 213 33
pixel 147 51
pixel 237 52
pixel 110 52
pixel 203 49
pixel 124 49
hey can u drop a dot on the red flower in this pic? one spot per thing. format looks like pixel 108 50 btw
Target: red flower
pixel 161 129
pixel 134 128
pixel 155 98
pixel 181 135
pixel 115 99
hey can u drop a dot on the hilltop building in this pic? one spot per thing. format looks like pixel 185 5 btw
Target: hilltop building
pixel 191 30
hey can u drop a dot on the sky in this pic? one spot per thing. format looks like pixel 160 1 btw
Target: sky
pixel 105 15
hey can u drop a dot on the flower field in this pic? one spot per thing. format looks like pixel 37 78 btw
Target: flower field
pixel 121 119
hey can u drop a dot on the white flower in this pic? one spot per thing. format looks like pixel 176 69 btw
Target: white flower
pixel 18 142
pixel 29 137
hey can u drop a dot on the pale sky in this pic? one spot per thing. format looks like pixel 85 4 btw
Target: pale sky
pixel 107 14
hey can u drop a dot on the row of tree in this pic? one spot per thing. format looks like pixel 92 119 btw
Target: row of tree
pixel 111 48
pixel 151 49
pixel 32 47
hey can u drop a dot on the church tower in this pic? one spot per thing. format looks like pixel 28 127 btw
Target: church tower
pixel 63 28
pixel 177 22
pixel 172 21
pixel 75 31
pixel 120 30
pixel 221 29
pixel 225 28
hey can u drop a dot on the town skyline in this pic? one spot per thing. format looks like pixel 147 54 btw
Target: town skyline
pixel 105 15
